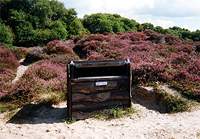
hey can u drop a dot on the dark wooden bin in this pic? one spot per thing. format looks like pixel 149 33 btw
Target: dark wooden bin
pixel 95 85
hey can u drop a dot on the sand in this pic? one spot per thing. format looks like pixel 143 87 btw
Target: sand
pixel 145 124
pixel 20 71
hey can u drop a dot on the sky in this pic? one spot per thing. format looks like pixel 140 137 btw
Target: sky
pixel 165 13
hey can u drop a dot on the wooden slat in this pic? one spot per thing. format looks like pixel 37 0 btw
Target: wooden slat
pixel 99 97
pixel 105 63
pixel 96 78
pixel 90 87
pixel 87 107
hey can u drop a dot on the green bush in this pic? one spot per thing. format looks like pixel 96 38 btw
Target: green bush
pixel 58 31
pixel 101 23
pixel 76 28
pixel 25 34
pixel 6 34
pixel 172 104
pixel 42 36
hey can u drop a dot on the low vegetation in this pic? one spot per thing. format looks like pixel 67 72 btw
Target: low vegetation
pixel 113 113
pixel 45 80
pixel 170 61
pixel 171 103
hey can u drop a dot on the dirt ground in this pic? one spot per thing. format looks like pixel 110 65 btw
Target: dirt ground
pixel 47 122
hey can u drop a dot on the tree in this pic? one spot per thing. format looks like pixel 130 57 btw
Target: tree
pixel 148 26
pixel 100 23
pixel 97 23
pixel 43 11
pixel 6 34
pixel 35 22
pixel 42 36
pixel 76 28
pixel 24 34
pixel 58 30
pixel 118 27
pixel 129 25
pixel 196 35
pixel 159 29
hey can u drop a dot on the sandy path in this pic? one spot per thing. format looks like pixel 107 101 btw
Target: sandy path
pixel 20 71
pixel 146 124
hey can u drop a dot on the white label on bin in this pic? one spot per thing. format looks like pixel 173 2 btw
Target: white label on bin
pixel 101 83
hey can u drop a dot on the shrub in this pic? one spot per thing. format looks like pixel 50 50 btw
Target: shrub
pixel 58 31
pixel 20 52
pixel 151 59
pixel 8 66
pixel 172 103
pixel 25 34
pixel 6 77
pixel 35 55
pixel 59 47
pixel 57 51
pixel 6 34
pixel 44 81
pixel 171 40
pixel 7 59
pixel 42 36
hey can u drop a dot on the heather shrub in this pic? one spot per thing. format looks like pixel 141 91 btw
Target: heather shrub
pixel 21 52
pixel 155 37
pixel 8 59
pixel 44 81
pixel 56 50
pixel 172 40
pixel 35 55
pixel 6 77
pixel 59 47
pixel 174 62
pixel 8 66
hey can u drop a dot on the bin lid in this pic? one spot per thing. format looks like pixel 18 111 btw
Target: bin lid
pixel 99 63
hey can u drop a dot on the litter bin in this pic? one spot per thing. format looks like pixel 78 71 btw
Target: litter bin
pixel 95 85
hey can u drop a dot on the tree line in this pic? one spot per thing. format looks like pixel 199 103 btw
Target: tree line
pixel 36 22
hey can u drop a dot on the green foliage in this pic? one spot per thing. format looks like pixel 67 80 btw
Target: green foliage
pixel 35 22
pixel 6 34
pixel 7 107
pixel 147 26
pixel 24 34
pixel 114 113
pixel 196 35
pixel 43 11
pixel 159 29
pixel 42 36
pixel 58 30
pixel 76 28
pixel 172 103
pixel 70 121
pixel 101 23
pixel 129 25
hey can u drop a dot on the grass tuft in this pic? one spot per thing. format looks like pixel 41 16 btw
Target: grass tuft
pixel 113 113
pixel 172 103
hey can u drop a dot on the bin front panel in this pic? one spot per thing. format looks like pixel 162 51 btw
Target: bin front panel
pixel 97 91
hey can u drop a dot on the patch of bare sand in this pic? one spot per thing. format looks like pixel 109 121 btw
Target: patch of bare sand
pixel 48 123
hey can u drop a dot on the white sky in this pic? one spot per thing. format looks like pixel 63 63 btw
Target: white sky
pixel 166 13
